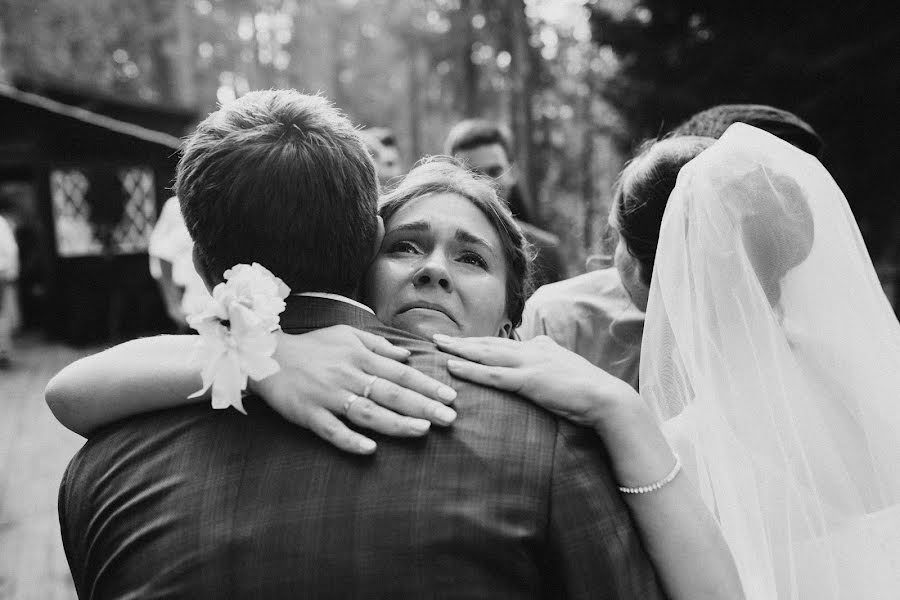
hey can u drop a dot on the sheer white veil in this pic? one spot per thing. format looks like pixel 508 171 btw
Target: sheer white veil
pixel 772 357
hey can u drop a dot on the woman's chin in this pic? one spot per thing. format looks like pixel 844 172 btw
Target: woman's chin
pixel 427 325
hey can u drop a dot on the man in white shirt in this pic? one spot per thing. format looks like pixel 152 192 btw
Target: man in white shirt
pixel 9 273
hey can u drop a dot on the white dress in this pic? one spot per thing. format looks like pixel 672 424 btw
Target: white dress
pixel 772 358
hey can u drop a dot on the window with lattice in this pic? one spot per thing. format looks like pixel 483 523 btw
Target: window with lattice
pixel 77 234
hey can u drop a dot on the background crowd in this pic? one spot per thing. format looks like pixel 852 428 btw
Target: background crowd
pixel 573 85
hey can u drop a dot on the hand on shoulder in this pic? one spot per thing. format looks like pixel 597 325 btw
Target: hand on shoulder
pixel 546 373
pixel 340 373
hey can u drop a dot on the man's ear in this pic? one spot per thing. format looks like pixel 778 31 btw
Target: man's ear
pixel 379 238
pixel 505 329
pixel 202 270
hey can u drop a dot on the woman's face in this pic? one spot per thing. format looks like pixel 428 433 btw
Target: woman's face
pixel 441 269
pixel 629 268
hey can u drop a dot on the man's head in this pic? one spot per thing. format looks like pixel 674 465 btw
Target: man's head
pixel 484 147
pixel 382 145
pixel 280 178
pixel 713 122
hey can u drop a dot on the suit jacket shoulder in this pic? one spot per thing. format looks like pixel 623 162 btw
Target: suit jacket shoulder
pixel 208 504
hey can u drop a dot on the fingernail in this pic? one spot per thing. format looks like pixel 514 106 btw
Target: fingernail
pixel 419 425
pixel 367 446
pixel 440 338
pixel 445 414
pixel 405 351
pixel 454 364
pixel 446 393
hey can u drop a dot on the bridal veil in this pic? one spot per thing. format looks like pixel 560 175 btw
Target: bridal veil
pixel 772 357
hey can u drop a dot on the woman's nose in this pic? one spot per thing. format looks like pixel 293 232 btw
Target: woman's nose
pixel 433 272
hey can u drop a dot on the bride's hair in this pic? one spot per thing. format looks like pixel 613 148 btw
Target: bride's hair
pixel 643 189
pixel 445 175
pixel 776 224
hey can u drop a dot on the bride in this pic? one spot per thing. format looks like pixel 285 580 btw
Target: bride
pixel 731 236
pixel 770 356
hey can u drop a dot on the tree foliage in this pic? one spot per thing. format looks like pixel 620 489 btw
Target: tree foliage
pixel 578 81
pixel 834 63
pixel 417 66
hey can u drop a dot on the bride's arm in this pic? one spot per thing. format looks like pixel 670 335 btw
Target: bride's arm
pixel 320 370
pixel 680 535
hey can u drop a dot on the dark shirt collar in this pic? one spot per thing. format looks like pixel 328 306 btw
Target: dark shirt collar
pixel 305 313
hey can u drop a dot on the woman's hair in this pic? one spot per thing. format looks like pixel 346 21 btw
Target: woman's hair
pixel 444 175
pixel 643 189
pixel 776 224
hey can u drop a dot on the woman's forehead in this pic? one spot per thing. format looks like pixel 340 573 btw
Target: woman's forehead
pixel 444 209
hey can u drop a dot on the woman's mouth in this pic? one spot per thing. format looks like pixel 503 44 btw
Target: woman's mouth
pixel 426 306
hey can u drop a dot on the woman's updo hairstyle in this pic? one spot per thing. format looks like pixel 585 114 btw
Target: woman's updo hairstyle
pixel 445 175
pixel 643 189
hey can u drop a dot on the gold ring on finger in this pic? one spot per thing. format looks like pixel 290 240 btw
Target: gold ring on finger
pixel 349 402
pixel 368 389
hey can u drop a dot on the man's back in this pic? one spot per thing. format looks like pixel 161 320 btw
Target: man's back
pixel 507 503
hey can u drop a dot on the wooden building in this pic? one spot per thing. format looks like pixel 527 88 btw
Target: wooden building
pixel 91 187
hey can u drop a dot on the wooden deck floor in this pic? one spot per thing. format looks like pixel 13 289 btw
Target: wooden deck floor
pixel 34 451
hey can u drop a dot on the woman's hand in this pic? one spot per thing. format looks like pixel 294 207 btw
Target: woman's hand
pixel 326 374
pixel 546 373
pixel 680 534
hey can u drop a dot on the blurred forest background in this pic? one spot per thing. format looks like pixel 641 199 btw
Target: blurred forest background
pixel 579 82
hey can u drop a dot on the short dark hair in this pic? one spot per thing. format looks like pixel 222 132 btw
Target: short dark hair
pixel 281 178
pixel 444 175
pixel 473 133
pixel 713 122
pixel 643 189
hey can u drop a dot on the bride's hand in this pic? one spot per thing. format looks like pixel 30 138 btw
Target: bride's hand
pixel 322 370
pixel 546 373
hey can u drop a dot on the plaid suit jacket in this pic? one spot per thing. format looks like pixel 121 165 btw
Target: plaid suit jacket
pixel 509 502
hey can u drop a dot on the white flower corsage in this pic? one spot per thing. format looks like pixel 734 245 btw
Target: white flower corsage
pixel 237 332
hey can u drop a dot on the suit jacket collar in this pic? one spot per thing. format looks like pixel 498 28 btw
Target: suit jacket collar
pixel 306 313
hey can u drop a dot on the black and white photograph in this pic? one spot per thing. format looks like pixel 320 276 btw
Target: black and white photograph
pixel 449 299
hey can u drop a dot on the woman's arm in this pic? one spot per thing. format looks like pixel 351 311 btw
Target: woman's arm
pixel 320 371
pixel 680 534
pixel 134 377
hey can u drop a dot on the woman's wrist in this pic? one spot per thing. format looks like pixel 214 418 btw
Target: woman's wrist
pixel 615 409
pixel 638 450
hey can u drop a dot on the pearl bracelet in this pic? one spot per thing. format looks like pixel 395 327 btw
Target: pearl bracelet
pixel 652 487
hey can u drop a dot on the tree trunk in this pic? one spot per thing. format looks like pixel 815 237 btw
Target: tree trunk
pixel 414 88
pixel 588 180
pixel 254 68
pixel 337 60
pixel 183 60
pixel 520 102
pixel 470 69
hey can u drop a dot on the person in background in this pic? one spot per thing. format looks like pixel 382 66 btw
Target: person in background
pixel 170 248
pixel 713 122
pixel 486 148
pixel 9 273
pixel 382 145
pixel 592 314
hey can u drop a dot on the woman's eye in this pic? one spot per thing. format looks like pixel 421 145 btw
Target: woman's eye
pixel 472 258
pixel 403 247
